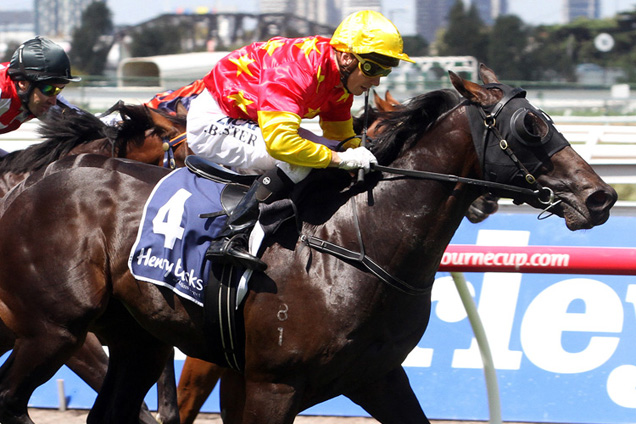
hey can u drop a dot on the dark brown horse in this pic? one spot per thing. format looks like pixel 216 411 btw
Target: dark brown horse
pixel 140 134
pixel 316 326
pixel 198 377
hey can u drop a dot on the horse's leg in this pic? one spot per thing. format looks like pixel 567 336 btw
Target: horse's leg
pixel 136 362
pixel 197 380
pixel 7 339
pixel 390 400
pixel 32 362
pixel 90 362
pixel 270 403
pixel 167 409
pixel 232 397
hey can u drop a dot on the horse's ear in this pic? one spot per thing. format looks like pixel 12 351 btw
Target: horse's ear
pixel 381 104
pixel 487 75
pixel 468 89
pixel 392 100
pixel 377 101
pixel 181 109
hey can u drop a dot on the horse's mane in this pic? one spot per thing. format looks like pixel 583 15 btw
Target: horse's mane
pixel 402 127
pixel 325 190
pixel 136 120
pixel 61 130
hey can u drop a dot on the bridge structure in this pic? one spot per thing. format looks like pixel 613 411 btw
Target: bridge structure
pixel 203 31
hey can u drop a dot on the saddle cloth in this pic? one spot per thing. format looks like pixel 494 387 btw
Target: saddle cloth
pixel 172 239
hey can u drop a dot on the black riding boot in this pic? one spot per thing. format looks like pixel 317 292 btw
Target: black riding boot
pixel 231 245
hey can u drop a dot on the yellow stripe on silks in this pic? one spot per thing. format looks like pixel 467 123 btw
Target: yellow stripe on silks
pixel 340 130
pixel 280 131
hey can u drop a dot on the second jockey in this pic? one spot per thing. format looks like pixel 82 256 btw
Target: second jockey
pixel 30 84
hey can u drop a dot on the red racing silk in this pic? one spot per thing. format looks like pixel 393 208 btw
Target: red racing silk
pixel 280 82
pixel 11 113
pixel 168 100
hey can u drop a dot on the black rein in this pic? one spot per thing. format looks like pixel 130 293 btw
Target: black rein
pixel 544 195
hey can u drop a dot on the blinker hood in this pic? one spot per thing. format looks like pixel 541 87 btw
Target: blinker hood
pixel 510 118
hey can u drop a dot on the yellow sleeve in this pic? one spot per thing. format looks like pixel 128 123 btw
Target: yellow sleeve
pixel 340 130
pixel 280 131
pixel 337 130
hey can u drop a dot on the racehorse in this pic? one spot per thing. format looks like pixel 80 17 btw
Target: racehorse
pixel 198 378
pixel 319 322
pixel 141 134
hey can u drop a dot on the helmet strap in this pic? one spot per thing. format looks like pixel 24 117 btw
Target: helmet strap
pixel 345 70
pixel 25 95
pixel 344 78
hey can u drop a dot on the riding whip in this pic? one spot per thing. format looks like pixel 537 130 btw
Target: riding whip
pixel 363 139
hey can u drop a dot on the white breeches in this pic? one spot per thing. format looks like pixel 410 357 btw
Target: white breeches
pixel 236 143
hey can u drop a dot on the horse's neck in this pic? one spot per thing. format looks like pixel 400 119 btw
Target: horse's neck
pixel 411 221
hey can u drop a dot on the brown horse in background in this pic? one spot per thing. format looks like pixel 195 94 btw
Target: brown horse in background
pixel 140 134
pixel 316 326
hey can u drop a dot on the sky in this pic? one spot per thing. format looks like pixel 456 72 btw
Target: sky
pixel 128 12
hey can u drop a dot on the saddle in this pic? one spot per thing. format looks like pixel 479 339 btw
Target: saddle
pixel 272 215
pixel 236 184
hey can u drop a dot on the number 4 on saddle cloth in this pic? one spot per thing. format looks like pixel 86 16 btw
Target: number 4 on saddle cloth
pixel 172 239
pixel 182 215
pixel 180 218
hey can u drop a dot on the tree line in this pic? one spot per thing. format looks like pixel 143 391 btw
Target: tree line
pixel 522 52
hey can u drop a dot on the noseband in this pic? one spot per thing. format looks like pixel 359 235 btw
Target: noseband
pixel 169 146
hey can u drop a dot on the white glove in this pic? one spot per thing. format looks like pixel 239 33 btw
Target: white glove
pixel 360 157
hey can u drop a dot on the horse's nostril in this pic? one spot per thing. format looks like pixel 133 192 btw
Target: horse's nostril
pixel 601 199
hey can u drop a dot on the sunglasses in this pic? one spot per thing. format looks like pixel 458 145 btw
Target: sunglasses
pixel 49 90
pixel 372 69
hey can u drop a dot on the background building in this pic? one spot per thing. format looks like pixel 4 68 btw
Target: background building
pixel 489 10
pixel 15 27
pixel 432 15
pixel 58 18
pixel 350 6
pixel 325 12
pixel 573 9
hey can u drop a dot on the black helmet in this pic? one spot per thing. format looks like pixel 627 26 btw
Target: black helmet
pixel 40 59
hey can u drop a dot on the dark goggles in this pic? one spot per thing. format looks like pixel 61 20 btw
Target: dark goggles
pixel 372 69
pixel 49 90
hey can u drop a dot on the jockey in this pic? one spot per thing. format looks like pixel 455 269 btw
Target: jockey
pixel 31 82
pixel 249 116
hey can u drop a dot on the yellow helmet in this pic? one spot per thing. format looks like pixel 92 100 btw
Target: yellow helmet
pixel 366 32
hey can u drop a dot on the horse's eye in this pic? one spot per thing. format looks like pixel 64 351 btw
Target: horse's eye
pixel 528 127
pixel 534 125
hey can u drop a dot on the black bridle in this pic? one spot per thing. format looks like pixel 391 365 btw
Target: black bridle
pixel 488 119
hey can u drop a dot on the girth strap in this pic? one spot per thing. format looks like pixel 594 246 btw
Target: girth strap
pixel 361 258
pixel 349 255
